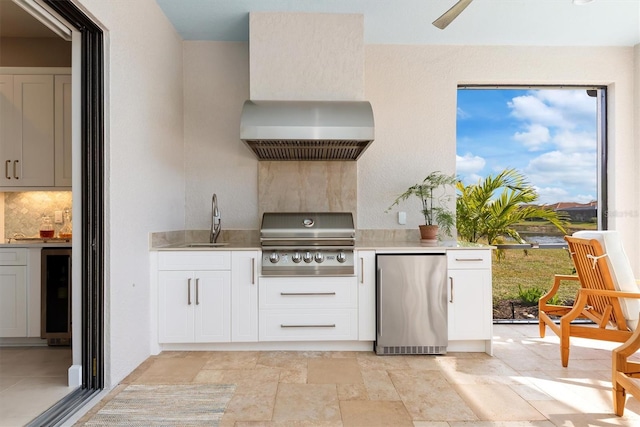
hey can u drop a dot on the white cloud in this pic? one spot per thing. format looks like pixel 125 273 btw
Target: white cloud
pixel 584 198
pixel 550 195
pixel 530 109
pixel 469 164
pixel 575 141
pixel 534 137
pixel 565 109
pixel 563 169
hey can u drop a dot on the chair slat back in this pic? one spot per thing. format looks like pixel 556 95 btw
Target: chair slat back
pixel 593 272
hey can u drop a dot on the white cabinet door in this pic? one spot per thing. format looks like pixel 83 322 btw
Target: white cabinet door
pixel 13 301
pixel 175 311
pixel 469 310
pixel 62 115
pixel 9 145
pixel 194 306
pixel 366 295
pixel 244 296
pixel 33 101
pixel 212 299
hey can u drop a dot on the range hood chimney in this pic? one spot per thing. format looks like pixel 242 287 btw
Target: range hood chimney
pixel 307 130
pixel 306 84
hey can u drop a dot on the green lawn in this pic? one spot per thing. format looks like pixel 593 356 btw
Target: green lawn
pixel 532 269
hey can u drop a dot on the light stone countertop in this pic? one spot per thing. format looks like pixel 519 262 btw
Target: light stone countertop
pixel 249 240
pixel 360 245
pixel 36 245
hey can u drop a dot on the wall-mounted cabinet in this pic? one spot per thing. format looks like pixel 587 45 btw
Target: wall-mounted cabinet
pixel 35 130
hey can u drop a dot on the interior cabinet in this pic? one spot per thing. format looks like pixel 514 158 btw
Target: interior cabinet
pixel 62 137
pixel 244 296
pixel 470 299
pixel 35 130
pixel 13 292
pixel 366 295
pixel 194 290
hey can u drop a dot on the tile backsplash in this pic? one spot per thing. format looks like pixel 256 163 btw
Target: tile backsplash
pixel 23 210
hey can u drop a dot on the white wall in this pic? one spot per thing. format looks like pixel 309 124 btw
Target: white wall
pixel 413 93
pixel 216 84
pixel 145 182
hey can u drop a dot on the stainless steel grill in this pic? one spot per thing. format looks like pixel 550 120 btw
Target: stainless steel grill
pixel 307 244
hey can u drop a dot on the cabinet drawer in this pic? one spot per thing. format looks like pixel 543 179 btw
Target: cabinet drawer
pixel 315 292
pixel 13 256
pixel 194 260
pixel 308 325
pixel 469 259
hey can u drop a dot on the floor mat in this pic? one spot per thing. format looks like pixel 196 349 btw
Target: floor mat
pixel 166 405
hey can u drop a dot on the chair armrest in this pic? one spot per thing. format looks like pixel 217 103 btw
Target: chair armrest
pixel 608 293
pixel 629 347
pixel 542 302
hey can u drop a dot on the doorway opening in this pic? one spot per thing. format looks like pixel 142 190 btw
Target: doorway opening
pixel 88 40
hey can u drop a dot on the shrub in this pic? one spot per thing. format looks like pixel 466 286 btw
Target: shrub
pixel 530 296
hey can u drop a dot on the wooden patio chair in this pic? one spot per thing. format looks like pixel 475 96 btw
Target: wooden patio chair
pixel 626 373
pixel 608 295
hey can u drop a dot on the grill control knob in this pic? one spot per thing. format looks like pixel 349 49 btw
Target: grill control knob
pixel 319 257
pixel 307 257
pixel 341 257
pixel 296 257
pixel 274 257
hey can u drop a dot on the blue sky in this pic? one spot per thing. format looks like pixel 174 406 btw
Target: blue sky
pixel 549 135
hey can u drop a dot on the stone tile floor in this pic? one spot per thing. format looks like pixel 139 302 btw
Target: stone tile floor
pixel 31 380
pixel 524 384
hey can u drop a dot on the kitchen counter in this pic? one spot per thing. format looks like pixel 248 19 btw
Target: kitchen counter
pixel 360 245
pixel 416 245
pixel 230 246
pixel 31 244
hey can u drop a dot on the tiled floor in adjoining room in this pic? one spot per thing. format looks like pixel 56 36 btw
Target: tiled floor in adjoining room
pixel 523 385
pixel 31 380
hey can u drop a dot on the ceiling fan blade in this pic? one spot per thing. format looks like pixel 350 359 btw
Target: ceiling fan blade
pixel 451 14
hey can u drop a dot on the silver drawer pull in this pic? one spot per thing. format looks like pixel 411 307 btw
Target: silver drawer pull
pixel 306 293
pixel 309 326
pixel 469 259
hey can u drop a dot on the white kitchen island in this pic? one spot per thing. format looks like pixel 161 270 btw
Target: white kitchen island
pixel 213 299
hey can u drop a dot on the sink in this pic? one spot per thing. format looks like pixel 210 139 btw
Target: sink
pixel 204 245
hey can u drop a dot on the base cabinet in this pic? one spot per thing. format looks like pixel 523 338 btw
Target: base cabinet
pixel 13 301
pixel 194 305
pixel 244 296
pixel 366 295
pixel 308 309
pixel 470 314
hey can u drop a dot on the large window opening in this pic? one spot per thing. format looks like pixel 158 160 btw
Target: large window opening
pixel 554 137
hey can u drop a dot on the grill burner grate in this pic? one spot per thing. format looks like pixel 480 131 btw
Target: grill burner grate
pixel 307 150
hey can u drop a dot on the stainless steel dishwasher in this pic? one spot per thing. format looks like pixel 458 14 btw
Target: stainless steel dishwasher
pixel 411 303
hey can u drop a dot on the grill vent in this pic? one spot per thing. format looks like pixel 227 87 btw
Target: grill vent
pixel 412 349
pixel 307 150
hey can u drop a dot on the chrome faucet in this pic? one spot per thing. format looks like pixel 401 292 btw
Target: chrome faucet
pixel 215 220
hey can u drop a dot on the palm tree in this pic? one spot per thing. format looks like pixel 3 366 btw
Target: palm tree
pixel 482 215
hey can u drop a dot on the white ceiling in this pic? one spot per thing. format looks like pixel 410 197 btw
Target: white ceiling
pixel 484 22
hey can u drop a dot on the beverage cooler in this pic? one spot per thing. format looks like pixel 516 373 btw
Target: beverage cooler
pixel 56 296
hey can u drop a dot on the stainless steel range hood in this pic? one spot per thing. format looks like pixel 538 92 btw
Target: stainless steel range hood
pixel 307 130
